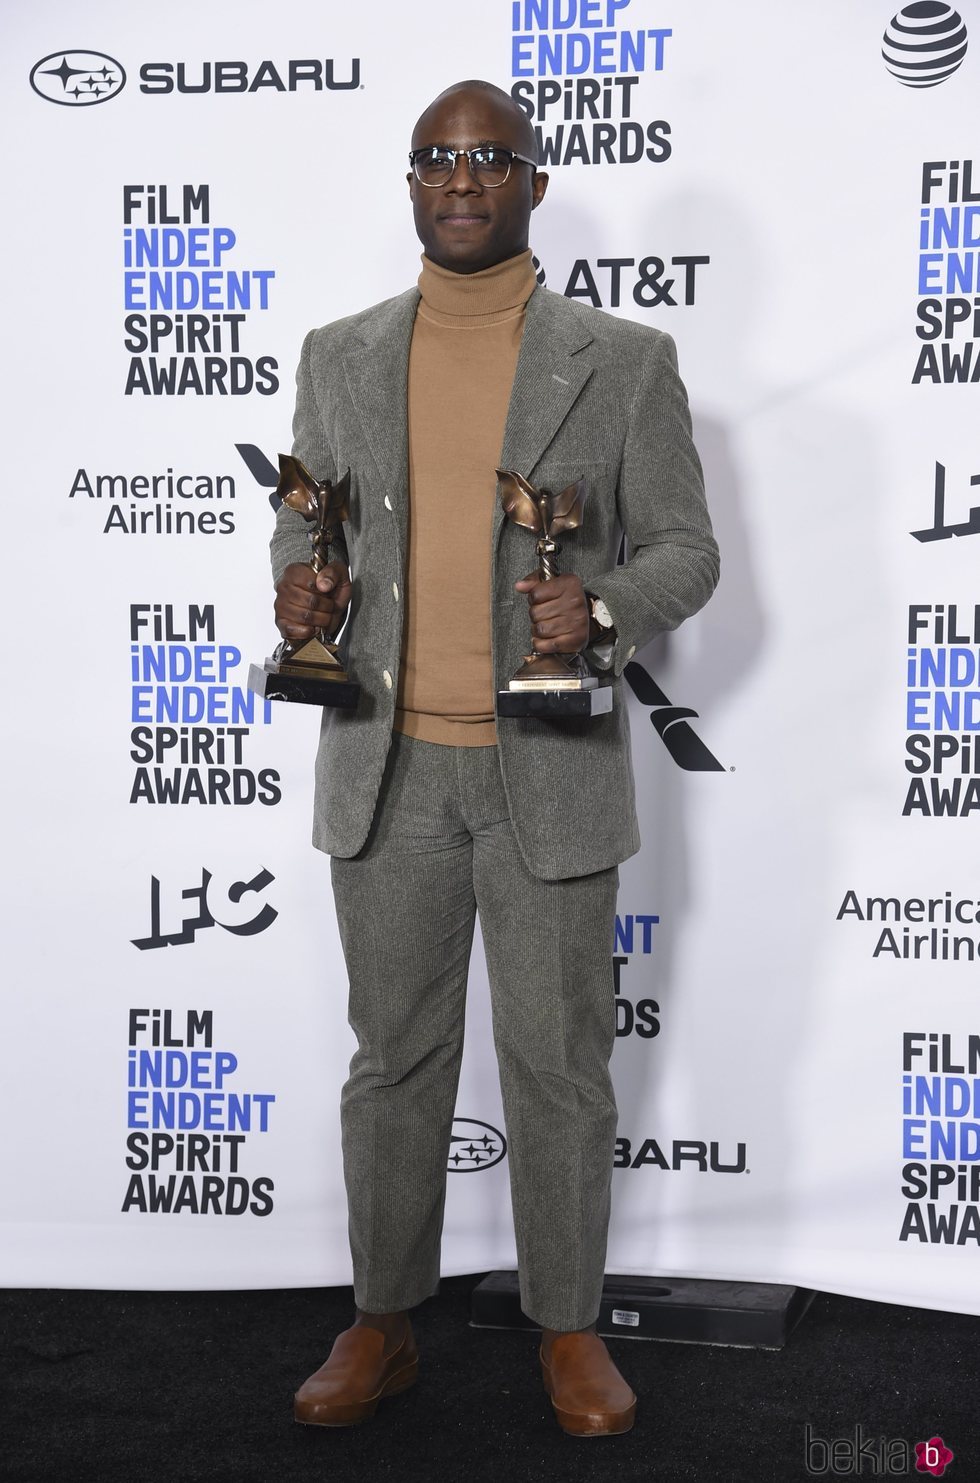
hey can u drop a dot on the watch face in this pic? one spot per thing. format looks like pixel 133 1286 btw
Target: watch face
pixel 601 613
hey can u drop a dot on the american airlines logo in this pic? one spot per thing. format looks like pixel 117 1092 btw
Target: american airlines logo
pixel 672 723
pixel 262 470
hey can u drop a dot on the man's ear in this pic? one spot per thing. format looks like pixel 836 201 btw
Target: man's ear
pixel 538 187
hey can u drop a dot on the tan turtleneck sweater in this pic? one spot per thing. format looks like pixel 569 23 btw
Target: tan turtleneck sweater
pixel 461 367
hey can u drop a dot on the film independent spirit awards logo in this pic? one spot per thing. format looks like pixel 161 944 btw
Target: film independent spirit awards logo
pixel 924 43
pixel 77 79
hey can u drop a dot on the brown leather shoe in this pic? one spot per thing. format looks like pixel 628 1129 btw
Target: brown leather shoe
pixel 356 1376
pixel 590 1396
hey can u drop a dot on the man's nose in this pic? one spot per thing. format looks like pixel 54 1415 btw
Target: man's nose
pixel 462 180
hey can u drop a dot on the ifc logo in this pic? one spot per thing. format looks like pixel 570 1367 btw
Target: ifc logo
pixel 77 79
pixel 474 1145
pixel 924 44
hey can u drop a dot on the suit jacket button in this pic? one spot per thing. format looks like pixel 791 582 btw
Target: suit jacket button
pixel 394 589
pixel 387 679
pixel 387 503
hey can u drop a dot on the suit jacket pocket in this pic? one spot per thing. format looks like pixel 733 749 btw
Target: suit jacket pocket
pixel 554 473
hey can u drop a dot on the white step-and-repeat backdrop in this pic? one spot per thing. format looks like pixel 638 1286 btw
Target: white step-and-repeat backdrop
pixel 792 194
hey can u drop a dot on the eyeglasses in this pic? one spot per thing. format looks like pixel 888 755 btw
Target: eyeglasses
pixel 489 164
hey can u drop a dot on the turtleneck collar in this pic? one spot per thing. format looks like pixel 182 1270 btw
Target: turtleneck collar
pixel 494 292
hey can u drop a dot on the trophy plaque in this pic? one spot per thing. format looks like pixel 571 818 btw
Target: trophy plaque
pixel 309 671
pixel 548 685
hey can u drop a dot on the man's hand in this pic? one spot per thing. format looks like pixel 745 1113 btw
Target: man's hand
pixel 305 602
pixel 560 618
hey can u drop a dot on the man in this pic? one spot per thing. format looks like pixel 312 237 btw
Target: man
pixel 432 809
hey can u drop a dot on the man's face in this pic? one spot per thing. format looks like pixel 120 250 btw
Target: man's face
pixel 462 225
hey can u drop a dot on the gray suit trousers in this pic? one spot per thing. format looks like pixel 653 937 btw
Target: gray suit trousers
pixel 441 849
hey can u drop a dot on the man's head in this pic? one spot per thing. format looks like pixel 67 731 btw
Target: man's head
pixel 465 225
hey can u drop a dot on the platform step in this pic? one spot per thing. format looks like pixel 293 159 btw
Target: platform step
pixel 685 1310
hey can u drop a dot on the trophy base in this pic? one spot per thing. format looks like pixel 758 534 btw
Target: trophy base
pixel 595 700
pixel 303 684
pixel 554 685
pixel 553 672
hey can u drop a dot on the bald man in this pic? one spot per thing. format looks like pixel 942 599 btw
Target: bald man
pixel 431 808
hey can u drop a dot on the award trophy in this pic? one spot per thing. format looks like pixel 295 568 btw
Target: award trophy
pixel 309 671
pixel 548 684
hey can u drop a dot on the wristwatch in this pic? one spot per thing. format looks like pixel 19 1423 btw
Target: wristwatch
pixel 604 628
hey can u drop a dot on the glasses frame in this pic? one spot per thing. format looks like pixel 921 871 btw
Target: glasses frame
pixel 455 153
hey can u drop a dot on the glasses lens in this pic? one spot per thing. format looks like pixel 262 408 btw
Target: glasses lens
pixel 433 166
pixel 490 166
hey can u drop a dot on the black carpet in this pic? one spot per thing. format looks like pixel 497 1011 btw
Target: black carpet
pixel 179 1387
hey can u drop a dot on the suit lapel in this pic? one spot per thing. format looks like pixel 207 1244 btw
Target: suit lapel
pixel 376 370
pixel 549 378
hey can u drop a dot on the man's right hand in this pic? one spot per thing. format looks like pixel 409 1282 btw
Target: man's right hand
pixel 306 602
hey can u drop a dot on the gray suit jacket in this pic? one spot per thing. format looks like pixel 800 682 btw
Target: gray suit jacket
pixel 593 396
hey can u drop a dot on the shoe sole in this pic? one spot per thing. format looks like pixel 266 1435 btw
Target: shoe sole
pixel 354 1412
pixel 595 1426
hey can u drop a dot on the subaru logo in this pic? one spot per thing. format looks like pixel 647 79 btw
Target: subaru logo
pixel 474 1145
pixel 77 78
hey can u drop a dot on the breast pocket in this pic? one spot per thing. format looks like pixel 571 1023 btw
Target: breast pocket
pixel 555 473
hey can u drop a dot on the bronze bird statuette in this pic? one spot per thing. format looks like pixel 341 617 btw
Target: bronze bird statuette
pixel 323 504
pixel 547 515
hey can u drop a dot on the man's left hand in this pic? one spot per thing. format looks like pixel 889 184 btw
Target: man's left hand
pixel 560 618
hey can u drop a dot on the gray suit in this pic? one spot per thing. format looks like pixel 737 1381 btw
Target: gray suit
pixel 529 833
pixel 592 395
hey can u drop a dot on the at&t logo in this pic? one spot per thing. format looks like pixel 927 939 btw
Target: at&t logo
pixel 924 43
